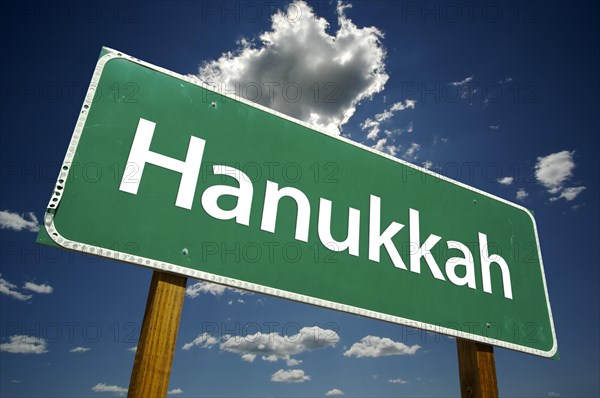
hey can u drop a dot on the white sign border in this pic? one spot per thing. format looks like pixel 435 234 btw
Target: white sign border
pixel 238 284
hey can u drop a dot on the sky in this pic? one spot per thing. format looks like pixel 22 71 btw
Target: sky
pixel 502 96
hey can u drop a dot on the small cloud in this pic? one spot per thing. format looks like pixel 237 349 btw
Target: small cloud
pixel 199 288
pixel 41 289
pixel 382 147
pixel 21 344
pixel 80 349
pixel 508 79
pixel 101 387
pixel 554 170
pixel 568 194
pixel 18 222
pixel 578 206
pixel 428 164
pixel 411 152
pixel 522 194
pixel 336 392
pixel 204 340
pixel 506 180
pixel 175 391
pixel 375 347
pixel 553 394
pixel 10 289
pixel 16 381
pixel 289 376
pixel 462 82
pixel 495 127
pixel 132 349
pixel 398 381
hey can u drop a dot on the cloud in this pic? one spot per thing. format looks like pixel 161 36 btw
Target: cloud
pixel 495 127
pixel 41 289
pixel 199 288
pixel 428 164
pixel 411 152
pixel 80 349
pixel 10 290
pixel 398 381
pixel 271 347
pixel 101 387
pixel 14 221
pixel 132 349
pixel 554 170
pixel 382 147
pixel 522 194
pixel 553 394
pixel 506 180
pixel 374 347
pixel 175 391
pixel 336 392
pixel 289 376
pixel 299 69
pixel 204 340
pixel 374 126
pixel 462 82
pixel 569 194
pixel 21 344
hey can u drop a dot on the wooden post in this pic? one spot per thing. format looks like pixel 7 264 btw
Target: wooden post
pixel 156 346
pixel 477 370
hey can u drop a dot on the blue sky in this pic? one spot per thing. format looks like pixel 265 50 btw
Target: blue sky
pixel 501 96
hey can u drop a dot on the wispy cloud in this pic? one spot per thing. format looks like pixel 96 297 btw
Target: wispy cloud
pixel 205 340
pixel 102 387
pixel 569 194
pixel 22 344
pixel 290 376
pixel 19 222
pixel 411 152
pixel 495 127
pixel 41 289
pixel 428 164
pixel 79 349
pixel 374 347
pixel 397 381
pixel 175 391
pixel 199 288
pixel 373 127
pixel 462 82
pixel 346 67
pixel 10 289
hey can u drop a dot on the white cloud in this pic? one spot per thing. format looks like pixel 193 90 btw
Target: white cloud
pixel 374 347
pixel 495 127
pixel 80 349
pixel 204 340
pixel 333 71
pixel 398 381
pixel 101 387
pixel 175 391
pixel 522 194
pixel 41 289
pixel 411 152
pixel 199 288
pixel 506 180
pixel 553 394
pixel 21 344
pixel 336 392
pixel 382 147
pixel 10 289
pixel 289 376
pixel 17 222
pixel 373 126
pixel 554 170
pixel 568 194
pixel 132 349
pixel 462 82
pixel 270 347
pixel 428 164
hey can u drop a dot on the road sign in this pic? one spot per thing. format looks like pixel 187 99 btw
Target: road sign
pixel 165 172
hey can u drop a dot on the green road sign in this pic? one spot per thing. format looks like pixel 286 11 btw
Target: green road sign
pixel 164 172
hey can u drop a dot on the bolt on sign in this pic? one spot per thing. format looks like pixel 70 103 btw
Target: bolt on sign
pixel 164 172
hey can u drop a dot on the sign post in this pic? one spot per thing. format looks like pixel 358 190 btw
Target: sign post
pixel 477 370
pixel 156 345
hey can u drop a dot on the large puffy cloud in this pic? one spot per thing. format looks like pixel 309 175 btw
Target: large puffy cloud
pixel 301 70
pixel 270 347
pixel 374 347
